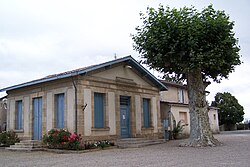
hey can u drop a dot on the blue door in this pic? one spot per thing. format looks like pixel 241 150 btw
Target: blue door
pixel 37 122
pixel 125 116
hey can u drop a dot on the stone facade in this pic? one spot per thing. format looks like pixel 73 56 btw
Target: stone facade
pixel 113 81
pixel 174 107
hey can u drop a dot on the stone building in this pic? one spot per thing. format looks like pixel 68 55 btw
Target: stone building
pixel 112 100
pixel 174 108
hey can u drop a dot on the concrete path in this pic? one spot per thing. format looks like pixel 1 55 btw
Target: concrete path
pixel 234 152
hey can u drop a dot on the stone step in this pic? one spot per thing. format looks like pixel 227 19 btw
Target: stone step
pixel 24 149
pixel 26 145
pixel 138 142
pixel 30 141
pixel 135 141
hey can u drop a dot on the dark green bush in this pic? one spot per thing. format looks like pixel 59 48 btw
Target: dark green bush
pixel 8 138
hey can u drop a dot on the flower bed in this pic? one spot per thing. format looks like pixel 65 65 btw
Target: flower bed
pixel 63 139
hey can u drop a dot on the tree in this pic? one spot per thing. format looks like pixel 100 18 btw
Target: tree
pixel 230 111
pixel 195 46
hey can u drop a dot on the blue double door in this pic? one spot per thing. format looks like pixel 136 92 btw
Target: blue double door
pixel 37 118
pixel 125 116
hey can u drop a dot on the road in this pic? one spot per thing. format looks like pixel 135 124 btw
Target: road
pixel 234 152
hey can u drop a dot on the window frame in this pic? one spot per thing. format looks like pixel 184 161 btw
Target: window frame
pixel 19 115
pixel 60 124
pixel 181 96
pixel 99 110
pixel 146 113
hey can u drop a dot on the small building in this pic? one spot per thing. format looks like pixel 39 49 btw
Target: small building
pixel 214 119
pixel 174 108
pixel 3 113
pixel 112 100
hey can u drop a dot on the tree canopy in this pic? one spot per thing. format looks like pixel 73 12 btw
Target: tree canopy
pixel 177 41
pixel 230 111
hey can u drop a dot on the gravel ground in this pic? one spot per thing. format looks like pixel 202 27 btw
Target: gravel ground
pixel 234 152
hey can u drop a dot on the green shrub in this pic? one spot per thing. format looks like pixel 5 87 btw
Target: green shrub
pixel 62 139
pixel 8 138
pixel 177 130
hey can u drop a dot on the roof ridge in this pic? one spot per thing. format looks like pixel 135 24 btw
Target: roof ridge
pixel 80 69
pixel 84 70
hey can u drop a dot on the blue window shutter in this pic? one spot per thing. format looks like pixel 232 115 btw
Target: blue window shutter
pixel 37 122
pixel 40 106
pixel 146 113
pixel 98 110
pixel 60 111
pixel 19 115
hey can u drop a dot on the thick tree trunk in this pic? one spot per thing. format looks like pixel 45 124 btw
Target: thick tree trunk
pixel 200 131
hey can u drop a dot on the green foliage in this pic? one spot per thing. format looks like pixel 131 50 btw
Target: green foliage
pixel 8 138
pixel 62 139
pixel 177 130
pixel 177 41
pixel 174 79
pixel 230 111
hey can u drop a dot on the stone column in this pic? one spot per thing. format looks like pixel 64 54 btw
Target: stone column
pixel 50 115
pixel 138 112
pixel 154 114
pixel 26 116
pixel 70 110
pixel 87 112
pixel 111 110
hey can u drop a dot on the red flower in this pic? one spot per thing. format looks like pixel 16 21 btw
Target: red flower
pixel 65 138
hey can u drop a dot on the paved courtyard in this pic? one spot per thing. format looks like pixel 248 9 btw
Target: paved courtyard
pixel 234 152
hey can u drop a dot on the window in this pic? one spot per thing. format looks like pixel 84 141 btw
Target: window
pixel 99 110
pixel 19 115
pixel 180 96
pixel 183 117
pixel 59 106
pixel 214 116
pixel 146 113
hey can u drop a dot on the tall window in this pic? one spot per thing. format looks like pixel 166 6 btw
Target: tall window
pixel 59 106
pixel 99 110
pixel 19 114
pixel 146 113
pixel 180 95
pixel 183 117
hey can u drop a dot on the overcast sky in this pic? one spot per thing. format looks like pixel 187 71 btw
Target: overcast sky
pixel 42 37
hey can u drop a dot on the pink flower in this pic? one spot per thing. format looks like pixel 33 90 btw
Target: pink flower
pixel 73 136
